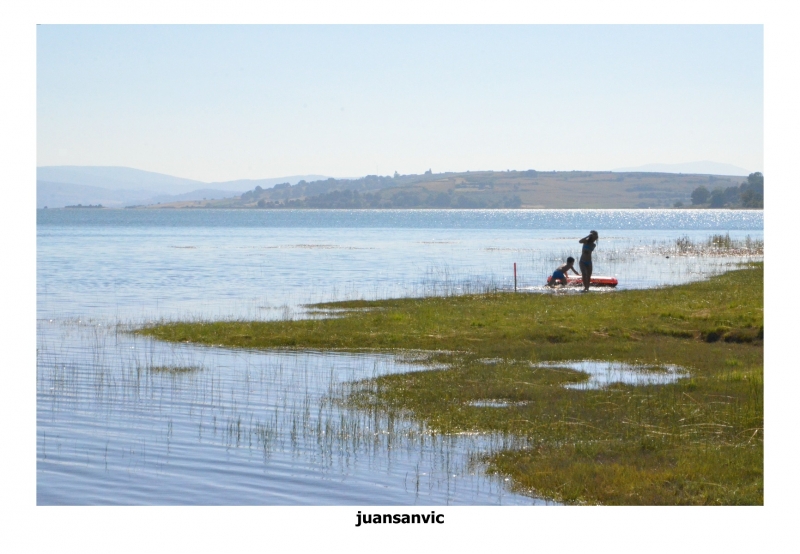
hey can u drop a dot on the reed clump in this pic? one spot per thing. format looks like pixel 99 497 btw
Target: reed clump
pixel 175 369
pixel 716 245
pixel 696 441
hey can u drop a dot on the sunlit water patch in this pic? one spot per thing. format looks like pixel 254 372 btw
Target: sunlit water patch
pixel 136 266
pixel 602 374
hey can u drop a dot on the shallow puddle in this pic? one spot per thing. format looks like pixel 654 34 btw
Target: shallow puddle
pixel 603 373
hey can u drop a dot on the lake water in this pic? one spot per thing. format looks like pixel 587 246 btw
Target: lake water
pixel 249 427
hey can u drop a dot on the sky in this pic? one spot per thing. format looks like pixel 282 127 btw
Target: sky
pixel 217 103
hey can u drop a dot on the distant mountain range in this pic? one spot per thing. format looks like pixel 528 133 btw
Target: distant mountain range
pixel 696 168
pixel 116 187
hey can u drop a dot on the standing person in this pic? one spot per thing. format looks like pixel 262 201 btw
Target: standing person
pixel 589 242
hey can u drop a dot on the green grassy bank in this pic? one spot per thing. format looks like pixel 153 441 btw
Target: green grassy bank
pixel 697 441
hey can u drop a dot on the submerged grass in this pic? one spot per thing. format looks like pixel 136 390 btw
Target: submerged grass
pixel 696 441
pixel 175 369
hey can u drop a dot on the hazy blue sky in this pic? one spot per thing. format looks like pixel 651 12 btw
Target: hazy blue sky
pixel 230 102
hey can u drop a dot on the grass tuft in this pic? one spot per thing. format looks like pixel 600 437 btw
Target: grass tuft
pixel 175 369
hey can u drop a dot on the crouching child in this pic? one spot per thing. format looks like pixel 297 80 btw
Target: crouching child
pixel 560 274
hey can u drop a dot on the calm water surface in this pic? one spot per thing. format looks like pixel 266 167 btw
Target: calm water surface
pixel 248 427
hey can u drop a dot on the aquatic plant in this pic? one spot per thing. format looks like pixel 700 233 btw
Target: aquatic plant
pixel 717 245
pixel 174 369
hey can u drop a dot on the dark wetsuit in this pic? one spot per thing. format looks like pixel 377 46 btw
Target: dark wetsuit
pixel 586 255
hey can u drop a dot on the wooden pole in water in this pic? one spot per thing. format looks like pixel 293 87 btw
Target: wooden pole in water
pixel 515 276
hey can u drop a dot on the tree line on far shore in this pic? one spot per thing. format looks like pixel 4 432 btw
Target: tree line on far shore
pixel 749 194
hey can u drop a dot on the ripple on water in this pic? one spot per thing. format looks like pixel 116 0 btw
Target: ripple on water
pixel 123 419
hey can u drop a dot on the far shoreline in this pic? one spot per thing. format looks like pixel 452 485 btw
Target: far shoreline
pixel 252 209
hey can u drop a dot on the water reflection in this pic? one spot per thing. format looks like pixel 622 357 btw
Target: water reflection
pixel 602 374
pixel 117 426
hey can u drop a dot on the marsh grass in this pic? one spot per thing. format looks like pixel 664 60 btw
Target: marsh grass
pixel 696 441
pixel 716 245
pixel 175 369
pixel 258 406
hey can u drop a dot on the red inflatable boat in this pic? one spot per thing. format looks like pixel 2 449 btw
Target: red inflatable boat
pixel 596 281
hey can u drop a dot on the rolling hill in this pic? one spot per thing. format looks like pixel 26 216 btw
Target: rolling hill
pixel 480 189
